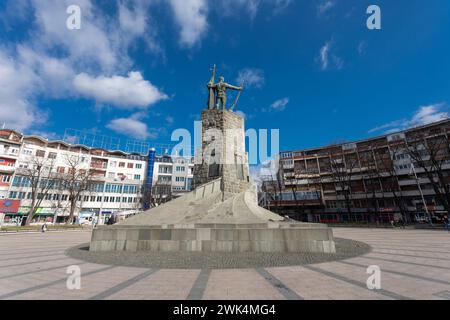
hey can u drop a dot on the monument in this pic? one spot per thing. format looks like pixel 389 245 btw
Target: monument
pixel 222 213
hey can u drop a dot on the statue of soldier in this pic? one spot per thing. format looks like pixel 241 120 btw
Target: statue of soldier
pixel 221 92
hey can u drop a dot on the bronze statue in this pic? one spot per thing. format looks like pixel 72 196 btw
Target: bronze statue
pixel 218 92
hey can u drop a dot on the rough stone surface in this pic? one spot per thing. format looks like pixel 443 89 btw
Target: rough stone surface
pixel 223 142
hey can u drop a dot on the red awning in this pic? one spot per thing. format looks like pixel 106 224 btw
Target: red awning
pixel 9 206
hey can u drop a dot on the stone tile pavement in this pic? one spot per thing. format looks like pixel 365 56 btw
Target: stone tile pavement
pixel 415 264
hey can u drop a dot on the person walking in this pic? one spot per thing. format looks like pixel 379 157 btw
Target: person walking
pixel 446 224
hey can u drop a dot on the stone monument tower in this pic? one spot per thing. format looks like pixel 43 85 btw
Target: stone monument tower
pixel 223 152
pixel 222 213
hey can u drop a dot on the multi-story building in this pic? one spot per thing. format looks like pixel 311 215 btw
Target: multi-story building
pixel 172 177
pixel 115 178
pixel 404 174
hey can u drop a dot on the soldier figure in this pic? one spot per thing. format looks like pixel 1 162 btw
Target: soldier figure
pixel 220 92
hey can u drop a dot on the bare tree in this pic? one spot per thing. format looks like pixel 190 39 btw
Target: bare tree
pixel 431 154
pixel 75 182
pixel 371 180
pixel 392 184
pixel 37 176
pixel 342 167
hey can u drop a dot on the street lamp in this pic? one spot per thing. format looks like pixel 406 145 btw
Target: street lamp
pixel 413 169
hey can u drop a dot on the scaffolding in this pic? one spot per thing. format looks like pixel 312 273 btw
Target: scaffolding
pixel 95 140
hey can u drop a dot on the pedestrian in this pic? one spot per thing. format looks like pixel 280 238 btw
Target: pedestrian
pixel 401 223
pixel 44 227
pixel 392 224
pixel 446 224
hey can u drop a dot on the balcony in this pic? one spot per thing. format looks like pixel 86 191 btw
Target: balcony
pixel 7 169
pixel 99 166
pixel 8 154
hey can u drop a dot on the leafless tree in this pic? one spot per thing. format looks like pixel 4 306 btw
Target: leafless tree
pixel 75 182
pixel 38 177
pixel 342 168
pixel 431 154
pixel 392 185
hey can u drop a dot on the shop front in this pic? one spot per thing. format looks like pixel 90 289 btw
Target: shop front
pixel 8 209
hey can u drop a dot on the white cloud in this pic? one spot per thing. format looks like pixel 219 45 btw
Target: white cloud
pixel 251 77
pixel 124 92
pixel 18 83
pixel 280 104
pixel 325 6
pixel 229 8
pixel 424 115
pixel 135 127
pixel 265 171
pixel 130 127
pixel 191 17
pixel 328 59
pixel 170 120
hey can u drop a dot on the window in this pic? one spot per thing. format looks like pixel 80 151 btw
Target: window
pixel 86 198
pixel 22 195
pixel 130 165
pixel 99 199
pixel 117 199
pixel 111 175
pixel 113 164
pixel 124 199
pixel 106 199
pixel 121 164
pixel 52 155
pixel 13 195
pixel 111 199
pixel 64 197
pixel 28 152
pixel 61 170
pixel 181 169
pixel 130 200
pixel 180 179
pixel 5 179
pixel 138 166
pixel 137 177
pixel 40 153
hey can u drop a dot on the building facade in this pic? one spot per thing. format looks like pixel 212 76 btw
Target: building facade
pixel 115 179
pixel 172 177
pixel 402 175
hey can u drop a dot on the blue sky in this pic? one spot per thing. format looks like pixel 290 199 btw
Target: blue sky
pixel 138 69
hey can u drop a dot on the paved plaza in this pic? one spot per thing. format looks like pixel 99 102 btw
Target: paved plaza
pixel 415 264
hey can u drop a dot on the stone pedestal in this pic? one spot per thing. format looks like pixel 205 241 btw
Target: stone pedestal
pixel 223 152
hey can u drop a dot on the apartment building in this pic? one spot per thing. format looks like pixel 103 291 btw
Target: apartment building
pixel 116 178
pixel 172 177
pixel 405 174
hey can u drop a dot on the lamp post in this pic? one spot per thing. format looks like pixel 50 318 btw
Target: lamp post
pixel 413 168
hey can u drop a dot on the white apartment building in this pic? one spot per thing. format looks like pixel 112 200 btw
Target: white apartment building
pixel 115 185
pixel 172 176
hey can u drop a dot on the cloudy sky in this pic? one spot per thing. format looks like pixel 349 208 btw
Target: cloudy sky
pixel 138 69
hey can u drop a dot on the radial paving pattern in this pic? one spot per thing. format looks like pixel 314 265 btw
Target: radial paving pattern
pixel 415 265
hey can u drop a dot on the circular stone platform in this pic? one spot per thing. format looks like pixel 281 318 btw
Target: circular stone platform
pixel 345 249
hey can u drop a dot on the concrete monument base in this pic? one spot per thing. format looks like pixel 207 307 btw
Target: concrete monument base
pixel 209 220
pixel 276 237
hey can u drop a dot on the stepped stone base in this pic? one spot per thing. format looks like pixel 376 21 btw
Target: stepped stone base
pixel 269 237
